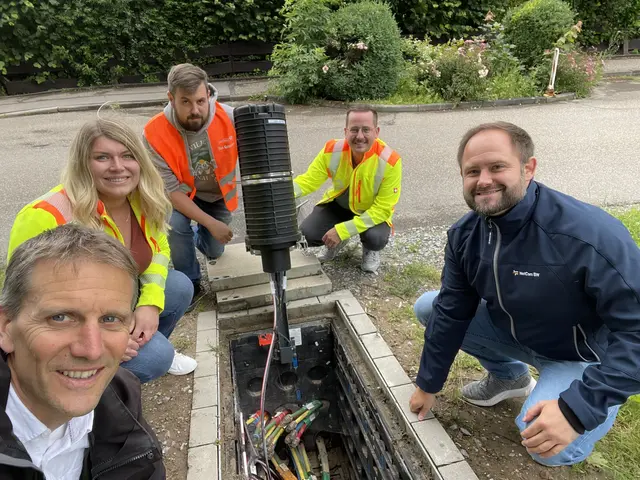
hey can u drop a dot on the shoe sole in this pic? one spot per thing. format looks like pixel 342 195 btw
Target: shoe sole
pixel 516 393
pixel 182 373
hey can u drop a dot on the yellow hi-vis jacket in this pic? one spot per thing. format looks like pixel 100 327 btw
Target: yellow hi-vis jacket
pixel 54 209
pixel 374 184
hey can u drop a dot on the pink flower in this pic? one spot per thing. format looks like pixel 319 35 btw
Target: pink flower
pixel 325 69
pixel 361 46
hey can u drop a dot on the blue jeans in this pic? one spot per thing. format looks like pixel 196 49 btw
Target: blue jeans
pixel 155 357
pixel 184 240
pixel 504 357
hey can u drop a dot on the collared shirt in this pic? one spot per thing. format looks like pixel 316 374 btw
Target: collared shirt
pixel 58 453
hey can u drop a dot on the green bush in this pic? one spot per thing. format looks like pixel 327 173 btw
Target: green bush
pixel 365 50
pixel 512 84
pixel 457 73
pixel 577 72
pixel 326 53
pixel 607 21
pixel 535 26
pixel 97 41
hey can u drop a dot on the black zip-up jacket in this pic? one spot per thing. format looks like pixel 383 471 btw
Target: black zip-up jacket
pixel 559 275
pixel 122 446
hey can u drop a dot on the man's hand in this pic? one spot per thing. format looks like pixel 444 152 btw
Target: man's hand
pixel 131 351
pixel 146 319
pixel 220 231
pixel 421 402
pixel 331 239
pixel 550 432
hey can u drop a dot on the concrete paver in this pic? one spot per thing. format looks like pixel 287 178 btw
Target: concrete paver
pixel 204 428
pixel 457 471
pixel 260 295
pixel 207 364
pixel 203 462
pixel 401 395
pixel 437 442
pixel 205 392
pixel 391 371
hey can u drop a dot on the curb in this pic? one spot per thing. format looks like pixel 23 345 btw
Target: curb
pixel 436 107
pixel 96 106
pixel 630 73
pixel 428 107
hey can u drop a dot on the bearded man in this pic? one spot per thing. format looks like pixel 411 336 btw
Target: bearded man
pixel 534 277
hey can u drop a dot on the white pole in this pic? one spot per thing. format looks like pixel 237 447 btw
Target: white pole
pixel 554 69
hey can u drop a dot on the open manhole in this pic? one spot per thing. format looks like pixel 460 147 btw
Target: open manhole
pixel 329 400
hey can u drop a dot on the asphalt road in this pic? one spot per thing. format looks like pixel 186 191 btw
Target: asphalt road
pixel 586 148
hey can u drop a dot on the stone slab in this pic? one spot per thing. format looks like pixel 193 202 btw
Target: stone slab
pixel 203 462
pixel 207 364
pixel 362 324
pixel 437 442
pixel 204 426
pixel 401 396
pixel 238 268
pixel 205 392
pixel 350 306
pixel 391 371
pixel 458 471
pixel 296 309
pixel 207 321
pixel 375 345
pixel 206 341
pixel 260 295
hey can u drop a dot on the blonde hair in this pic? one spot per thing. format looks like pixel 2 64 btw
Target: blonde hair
pixel 80 186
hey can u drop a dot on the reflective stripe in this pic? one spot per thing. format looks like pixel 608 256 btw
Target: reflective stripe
pixel 230 194
pixel 367 220
pixel 297 190
pixel 61 203
pixel 154 278
pixel 228 178
pixel 160 259
pixel 377 180
pixel 351 228
pixel 336 156
pixel 386 153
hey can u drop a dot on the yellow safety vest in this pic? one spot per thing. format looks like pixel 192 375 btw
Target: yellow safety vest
pixel 374 184
pixel 54 209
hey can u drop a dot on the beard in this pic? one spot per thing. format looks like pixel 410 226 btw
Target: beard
pixel 508 198
pixel 193 123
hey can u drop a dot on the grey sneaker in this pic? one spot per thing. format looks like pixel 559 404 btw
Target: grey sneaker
pixel 491 390
pixel 370 260
pixel 327 254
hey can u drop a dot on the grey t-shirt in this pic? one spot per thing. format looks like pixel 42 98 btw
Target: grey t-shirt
pixel 203 166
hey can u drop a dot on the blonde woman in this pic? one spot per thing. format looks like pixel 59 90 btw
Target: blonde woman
pixel 110 184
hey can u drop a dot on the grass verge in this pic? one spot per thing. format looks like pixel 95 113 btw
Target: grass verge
pixel 619 451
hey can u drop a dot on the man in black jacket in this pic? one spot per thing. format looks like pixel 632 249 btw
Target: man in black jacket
pixel 533 276
pixel 70 412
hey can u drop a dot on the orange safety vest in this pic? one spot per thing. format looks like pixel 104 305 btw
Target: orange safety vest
pixel 167 141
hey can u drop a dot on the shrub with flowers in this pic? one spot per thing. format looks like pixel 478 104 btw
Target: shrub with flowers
pixel 345 59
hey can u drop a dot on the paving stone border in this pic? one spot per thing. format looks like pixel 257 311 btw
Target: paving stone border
pixel 447 463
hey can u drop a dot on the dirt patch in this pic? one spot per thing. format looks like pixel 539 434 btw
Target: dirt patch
pixel 166 401
pixel 487 437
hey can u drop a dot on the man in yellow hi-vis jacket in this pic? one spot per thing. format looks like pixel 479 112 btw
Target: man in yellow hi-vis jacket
pixel 366 175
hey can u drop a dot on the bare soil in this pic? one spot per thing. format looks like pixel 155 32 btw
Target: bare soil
pixel 166 403
pixel 487 437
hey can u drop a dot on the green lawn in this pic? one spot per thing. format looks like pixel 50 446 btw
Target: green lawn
pixel 619 451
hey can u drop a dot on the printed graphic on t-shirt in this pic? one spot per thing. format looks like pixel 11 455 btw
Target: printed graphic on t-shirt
pixel 201 162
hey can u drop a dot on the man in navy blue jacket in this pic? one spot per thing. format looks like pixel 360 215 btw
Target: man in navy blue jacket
pixel 533 276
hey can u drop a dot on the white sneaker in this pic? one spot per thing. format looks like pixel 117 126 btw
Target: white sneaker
pixel 182 365
pixel 327 254
pixel 370 260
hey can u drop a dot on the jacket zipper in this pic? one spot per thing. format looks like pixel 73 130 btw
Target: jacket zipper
pixel 126 462
pixel 353 186
pixel 496 252
pixel 575 343
pixel 584 335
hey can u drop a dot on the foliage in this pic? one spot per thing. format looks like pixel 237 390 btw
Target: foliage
pixel 458 73
pixel 98 41
pixel 607 20
pixel 512 84
pixel 535 26
pixel 448 19
pixel 366 55
pixel 326 53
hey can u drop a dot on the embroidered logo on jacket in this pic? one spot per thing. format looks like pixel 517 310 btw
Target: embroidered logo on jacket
pixel 518 273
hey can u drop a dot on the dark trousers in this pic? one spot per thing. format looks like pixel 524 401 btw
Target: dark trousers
pixel 324 217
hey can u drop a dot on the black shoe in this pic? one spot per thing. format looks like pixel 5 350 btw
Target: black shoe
pixel 198 293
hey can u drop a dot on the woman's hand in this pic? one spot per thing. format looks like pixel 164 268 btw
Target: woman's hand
pixel 146 319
